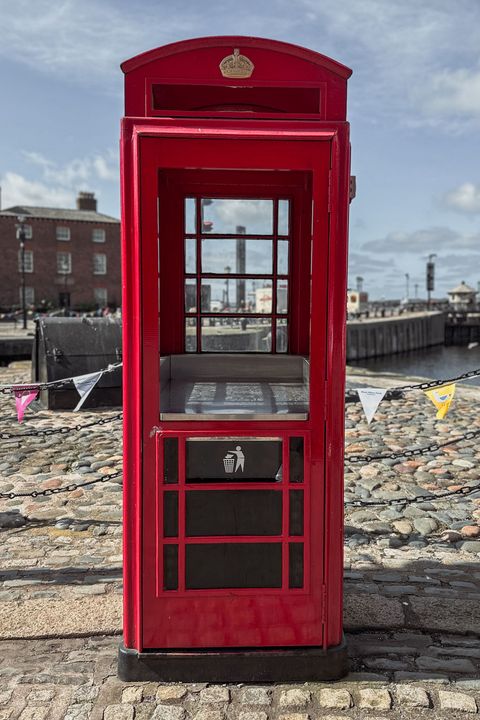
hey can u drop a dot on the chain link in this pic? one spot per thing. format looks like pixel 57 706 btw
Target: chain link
pixel 55 491
pixel 438 383
pixel 64 430
pixel 464 491
pixel 433 447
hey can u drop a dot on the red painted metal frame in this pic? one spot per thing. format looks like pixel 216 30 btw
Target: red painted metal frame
pixel 149 144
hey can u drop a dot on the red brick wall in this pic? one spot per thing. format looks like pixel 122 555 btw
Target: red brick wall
pixel 44 279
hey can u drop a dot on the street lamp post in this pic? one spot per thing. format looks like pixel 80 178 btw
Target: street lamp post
pixel 227 300
pixel 21 236
pixel 407 286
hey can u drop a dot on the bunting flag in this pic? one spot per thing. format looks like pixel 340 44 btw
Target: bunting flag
pixel 23 398
pixel 370 399
pixel 442 399
pixel 84 385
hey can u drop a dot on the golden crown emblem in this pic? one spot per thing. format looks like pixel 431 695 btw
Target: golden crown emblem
pixel 236 65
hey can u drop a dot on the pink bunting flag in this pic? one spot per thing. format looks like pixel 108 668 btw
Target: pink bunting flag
pixel 23 398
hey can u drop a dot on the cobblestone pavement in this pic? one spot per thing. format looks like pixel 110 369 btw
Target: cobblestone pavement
pixel 412 579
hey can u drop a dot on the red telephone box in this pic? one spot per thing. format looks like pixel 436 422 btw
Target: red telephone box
pixel 235 189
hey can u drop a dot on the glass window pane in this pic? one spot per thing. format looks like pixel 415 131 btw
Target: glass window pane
pixel 296 459
pixel 170 460
pixel 252 257
pixel 295 523
pixel 170 567
pixel 210 460
pixel 170 514
pixel 190 334
pixel 190 215
pixel 234 295
pixel 233 565
pixel 190 295
pixel 283 217
pixel 251 217
pixel 282 257
pixel 295 565
pixel 238 334
pixel 282 335
pixel 282 296
pixel 190 255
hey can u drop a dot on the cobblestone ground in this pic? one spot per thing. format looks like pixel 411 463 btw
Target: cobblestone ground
pixel 412 579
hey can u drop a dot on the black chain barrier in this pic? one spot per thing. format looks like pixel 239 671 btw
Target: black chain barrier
pixel 67 488
pixel 433 447
pixel 64 430
pixel 464 491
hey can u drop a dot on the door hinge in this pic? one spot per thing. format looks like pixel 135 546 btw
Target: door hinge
pixel 324 603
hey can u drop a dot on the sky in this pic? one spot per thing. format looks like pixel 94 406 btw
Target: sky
pixel 414 109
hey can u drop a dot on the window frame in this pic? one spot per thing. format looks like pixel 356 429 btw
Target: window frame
pixel 99 230
pixel 96 270
pixel 59 228
pixel 29 266
pixel 68 255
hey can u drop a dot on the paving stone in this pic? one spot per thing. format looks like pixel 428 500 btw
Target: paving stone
pixel 457 701
pixel 5 696
pixel 173 692
pixel 144 711
pixel 336 698
pixel 373 699
pixel 468 684
pixel 79 711
pixel 213 714
pixel 132 695
pixel 455 665
pixel 215 694
pixel 34 713
pixel 168 712
pixel 41 695
pixel 294 698
pixel 294 716
pixel 255 696
pixel 249 715
pixel 121 712
pixel 407 676
pixel 85 693
pixel 411 696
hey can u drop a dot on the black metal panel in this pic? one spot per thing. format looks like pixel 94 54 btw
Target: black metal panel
pixel 170 567
pixel 222 460
pixel 170 514
pixel 233 565
pixel 296 449
pixel 295 565
pixel 170 460
pixel 296 512
pixel 233 512
pixel 66 347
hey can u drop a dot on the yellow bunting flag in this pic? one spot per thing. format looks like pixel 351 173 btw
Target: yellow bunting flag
pixel 442 398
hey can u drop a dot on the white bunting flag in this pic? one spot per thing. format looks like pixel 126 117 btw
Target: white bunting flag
pixel 370 399
pixel 84 385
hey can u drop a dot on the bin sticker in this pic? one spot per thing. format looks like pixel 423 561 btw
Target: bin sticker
pixel 234 460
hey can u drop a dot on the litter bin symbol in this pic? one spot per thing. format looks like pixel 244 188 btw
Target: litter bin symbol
pixel 229 463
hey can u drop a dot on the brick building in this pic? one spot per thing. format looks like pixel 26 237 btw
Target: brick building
pixel 72 257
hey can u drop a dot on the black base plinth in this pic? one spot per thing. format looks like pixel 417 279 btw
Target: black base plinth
pixel 246 665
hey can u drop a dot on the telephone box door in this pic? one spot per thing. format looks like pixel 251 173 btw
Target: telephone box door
pixel 233 506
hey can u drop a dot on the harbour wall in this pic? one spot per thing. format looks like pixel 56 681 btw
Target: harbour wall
pixel 374 337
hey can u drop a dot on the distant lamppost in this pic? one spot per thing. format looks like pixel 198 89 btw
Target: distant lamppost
pixel 407 285
pixel 227 300
pixel 21 235
pixel 430 276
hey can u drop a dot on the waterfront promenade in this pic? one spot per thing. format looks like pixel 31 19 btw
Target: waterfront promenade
pixel 412 577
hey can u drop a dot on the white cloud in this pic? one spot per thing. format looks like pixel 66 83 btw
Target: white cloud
pixel 465 198
pixel 18 190
pixel 424 241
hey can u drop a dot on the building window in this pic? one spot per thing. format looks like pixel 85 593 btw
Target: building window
pixel 98 235
pixel 29 295
pixel 28 263
pixel 63 233
pixel 64 263
pixel 27 229
pixel 101 296
pixel 99 264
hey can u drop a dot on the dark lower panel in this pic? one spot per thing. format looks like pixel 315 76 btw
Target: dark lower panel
pixel 233 565
pixel 275 665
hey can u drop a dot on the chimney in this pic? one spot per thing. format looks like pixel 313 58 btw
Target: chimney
pixel 87 201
